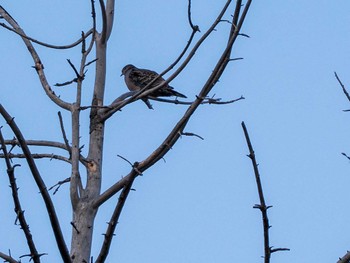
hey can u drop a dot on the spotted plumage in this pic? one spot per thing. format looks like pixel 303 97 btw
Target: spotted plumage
pixel 137 79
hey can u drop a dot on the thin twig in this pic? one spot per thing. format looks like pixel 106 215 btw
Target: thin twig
pixel 50 156
pixel 65 139
pixel 342 86
pixel 59 184
pixel 192 134
pixel 46 44
pixel 194 27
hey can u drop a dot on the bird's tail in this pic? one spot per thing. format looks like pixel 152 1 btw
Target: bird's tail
pixel 177 94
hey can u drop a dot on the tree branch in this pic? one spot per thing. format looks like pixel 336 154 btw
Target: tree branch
pixel 174 135
pixel 38 156
pixel 342 86
pixel 145 91
pixel 345 258
pixel 8 258
pixel 262 206
pixel 114 220
pixel 18 208
pixel 66 142
pixel 61 244
pixel 46 44
pixel 38 65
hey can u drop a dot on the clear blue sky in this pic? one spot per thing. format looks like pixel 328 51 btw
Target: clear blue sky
pixel 197 206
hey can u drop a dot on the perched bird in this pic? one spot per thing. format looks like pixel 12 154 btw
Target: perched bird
pixel 136 79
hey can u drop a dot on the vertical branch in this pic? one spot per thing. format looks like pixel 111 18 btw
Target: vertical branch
pixel 18 209
pixel 262 206
pixel 61 244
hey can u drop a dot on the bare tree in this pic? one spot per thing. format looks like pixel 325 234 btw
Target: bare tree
pixel 86 200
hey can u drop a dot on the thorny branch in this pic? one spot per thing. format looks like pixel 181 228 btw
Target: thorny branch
pixel 18 208
pixel 112 224
pixel 61 244
pixel 262 206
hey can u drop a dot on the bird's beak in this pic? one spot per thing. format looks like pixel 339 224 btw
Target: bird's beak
pixel 121 74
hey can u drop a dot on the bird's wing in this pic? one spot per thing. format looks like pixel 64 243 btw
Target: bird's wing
pixel 141 77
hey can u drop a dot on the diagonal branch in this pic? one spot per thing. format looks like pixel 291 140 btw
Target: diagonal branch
pixel 61 244
pixel 345 258
pixel 8 258
pixel 342 86
pixel 175 134
pixel 145 90
pixel 112 224
pixel 38 64
pixel 18 208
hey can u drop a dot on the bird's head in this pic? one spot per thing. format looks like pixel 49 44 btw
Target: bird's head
pixel 127 68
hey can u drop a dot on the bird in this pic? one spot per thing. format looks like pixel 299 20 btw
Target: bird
pixel 137 78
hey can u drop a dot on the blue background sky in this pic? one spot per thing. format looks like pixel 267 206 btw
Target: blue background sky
pixel 197 206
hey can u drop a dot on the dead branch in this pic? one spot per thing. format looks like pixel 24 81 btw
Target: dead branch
pixel 50 156
pixel 194 27
pixel 262 206
pixel 108 236
pixel 192 134
pixel 65 139
pixel 8 258
pixel 118 103
pixel 61 244
pixel 345 258
pixel 179 127
pixel 59 184
pixel 206 100
pixel 39 67
pixel 14 142
pixel 18 208
pixel 342 86
pixel 46 44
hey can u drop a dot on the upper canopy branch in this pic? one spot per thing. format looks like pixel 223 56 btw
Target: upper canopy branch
pixel 74 44
pixel 176 132
pixel 38 64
